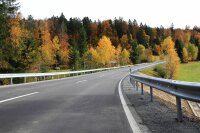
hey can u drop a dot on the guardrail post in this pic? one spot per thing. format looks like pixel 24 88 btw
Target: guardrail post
pixel 151 93
pixel 136 85
pixel 44 78
pixel 24 79
pixel 179 109
pixel 52 77
pixel 142 89
pixel 35 79
pixel 11 81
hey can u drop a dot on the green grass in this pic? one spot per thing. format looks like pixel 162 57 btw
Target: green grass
pixel 150 72
pixel 59 70
pixel 190 72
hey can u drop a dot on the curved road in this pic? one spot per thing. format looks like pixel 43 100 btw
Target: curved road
pixel 82 104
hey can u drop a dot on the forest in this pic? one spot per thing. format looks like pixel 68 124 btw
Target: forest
pixel 32 45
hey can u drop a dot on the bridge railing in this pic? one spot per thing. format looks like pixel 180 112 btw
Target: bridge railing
pixel 180 89
pixel 52 74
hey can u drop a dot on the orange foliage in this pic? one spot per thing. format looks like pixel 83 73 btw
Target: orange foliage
pixel 47 48
pixel 16 31
pixel 64 49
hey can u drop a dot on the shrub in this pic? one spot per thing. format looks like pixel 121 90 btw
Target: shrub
pixel 161 71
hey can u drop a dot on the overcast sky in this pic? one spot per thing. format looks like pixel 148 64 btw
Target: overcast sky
pixel 151 12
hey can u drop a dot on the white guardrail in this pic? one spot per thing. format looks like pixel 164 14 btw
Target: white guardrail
pixel 44 75
pixel 180 89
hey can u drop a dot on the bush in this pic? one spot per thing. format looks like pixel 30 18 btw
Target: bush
pixel 44 69
pixel 161 71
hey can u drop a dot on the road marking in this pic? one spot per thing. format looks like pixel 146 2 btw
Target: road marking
pixel 81 81
pixel 18 97
pixel 134 126
pixel 101 76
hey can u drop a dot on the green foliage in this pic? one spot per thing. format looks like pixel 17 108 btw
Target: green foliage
pixel 83 41
pixel 134 55
pixel 179 48
pixel 161 71
pixel 8 8
pixel 142 38
pixel 74 55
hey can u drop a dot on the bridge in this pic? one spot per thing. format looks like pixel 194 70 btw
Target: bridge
pixel 100 100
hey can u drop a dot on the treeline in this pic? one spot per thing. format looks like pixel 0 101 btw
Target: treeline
pixel 30 45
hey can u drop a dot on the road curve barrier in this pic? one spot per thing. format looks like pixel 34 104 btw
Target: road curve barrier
pixel 180 89
pixel 12 76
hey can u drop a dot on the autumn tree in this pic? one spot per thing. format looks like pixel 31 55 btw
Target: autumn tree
pixel 64 49
pixel 118 54
pixel 192 52
pixel 56 50
pixel 106 28
pixel 92 58
pixel 25 52
pixel 185 55
pixel 141 50
pixel 173 61
pixel 94 34
pixel 124 42
pixel 105 51
pixel 125 56
pixel 47 46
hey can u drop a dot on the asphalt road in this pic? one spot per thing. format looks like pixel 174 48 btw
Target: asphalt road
pixel 83 104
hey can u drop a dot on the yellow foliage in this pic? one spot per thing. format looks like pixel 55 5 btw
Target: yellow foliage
pixel 141 49
pixel 105 51
pixel 118 53
pixel 173 60
pixel 56 43
pixel 94 54
pixel 16 31
pixel 185 55
pixel 47 48
pixel 125 57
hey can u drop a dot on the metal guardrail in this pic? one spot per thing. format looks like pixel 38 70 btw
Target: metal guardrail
pixel 180 89
pixel 44 75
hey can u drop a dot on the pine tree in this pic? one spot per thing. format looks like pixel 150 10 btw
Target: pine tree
pixel 8 9
pixel 134 55
pixel 74 55
pixel 179 48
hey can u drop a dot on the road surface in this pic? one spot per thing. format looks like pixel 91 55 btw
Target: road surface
pixel 83 104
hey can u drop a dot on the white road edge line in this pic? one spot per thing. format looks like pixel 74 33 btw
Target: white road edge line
pixel 134 126
pixel 18 97
pixel 81 81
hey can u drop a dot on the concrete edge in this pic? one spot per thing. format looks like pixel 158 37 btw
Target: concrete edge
pixel 143 128
pixel 133 123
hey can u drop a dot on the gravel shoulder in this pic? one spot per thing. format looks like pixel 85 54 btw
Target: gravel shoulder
pixel 158 116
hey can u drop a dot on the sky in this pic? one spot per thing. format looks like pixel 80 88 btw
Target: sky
pixel 151 12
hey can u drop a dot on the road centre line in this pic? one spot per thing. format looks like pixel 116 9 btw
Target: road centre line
pixel 101 76
pixel 6 100
pixel 81 81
